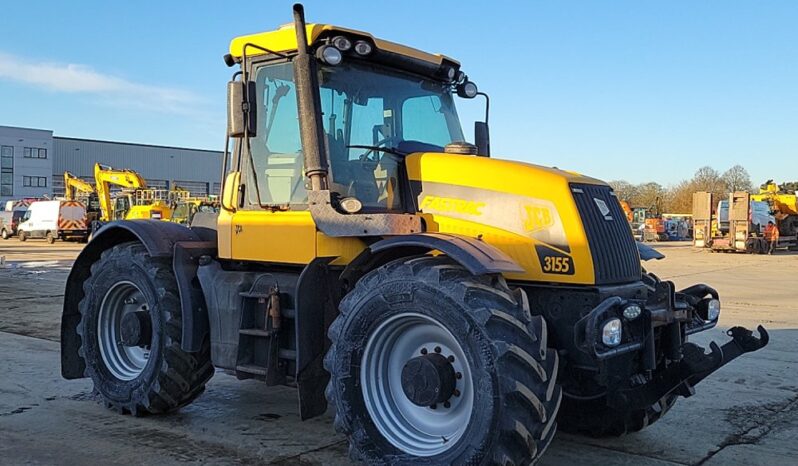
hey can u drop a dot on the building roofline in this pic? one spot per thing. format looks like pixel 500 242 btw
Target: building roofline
pixel 136 144
pixel 26 128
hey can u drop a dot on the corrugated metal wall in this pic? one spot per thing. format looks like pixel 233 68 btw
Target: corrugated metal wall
pixel 160 166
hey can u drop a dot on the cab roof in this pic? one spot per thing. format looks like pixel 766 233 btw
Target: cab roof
pixel 284 40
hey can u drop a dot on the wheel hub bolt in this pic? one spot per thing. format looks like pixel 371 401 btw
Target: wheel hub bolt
pixel 428 380
pixel 136 329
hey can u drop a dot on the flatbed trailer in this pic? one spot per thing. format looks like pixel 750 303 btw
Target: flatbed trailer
pixel 742 235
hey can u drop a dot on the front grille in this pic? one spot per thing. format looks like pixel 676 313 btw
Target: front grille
pixel 615 256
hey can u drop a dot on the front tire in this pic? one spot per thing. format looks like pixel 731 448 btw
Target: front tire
pixel 130 330
pixel 593 418
pixel 4 234
pixel 500 408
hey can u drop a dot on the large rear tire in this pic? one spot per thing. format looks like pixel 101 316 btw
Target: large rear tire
pixel 131 329
pixel 414 314
pixel 22 236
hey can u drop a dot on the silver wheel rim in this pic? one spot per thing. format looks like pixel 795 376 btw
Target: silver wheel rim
pixel 417 430
pixel 123 362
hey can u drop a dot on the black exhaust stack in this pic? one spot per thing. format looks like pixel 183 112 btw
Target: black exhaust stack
pixel 307 89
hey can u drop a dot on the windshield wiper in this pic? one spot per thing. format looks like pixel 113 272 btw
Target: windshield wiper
pixel 389 150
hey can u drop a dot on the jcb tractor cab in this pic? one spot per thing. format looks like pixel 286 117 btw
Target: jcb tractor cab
pixel 452 307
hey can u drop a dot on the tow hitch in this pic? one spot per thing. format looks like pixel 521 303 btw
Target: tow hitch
pixel 694 367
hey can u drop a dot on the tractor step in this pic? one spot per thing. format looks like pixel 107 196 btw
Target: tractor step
pixel 252 369
pixel 256 332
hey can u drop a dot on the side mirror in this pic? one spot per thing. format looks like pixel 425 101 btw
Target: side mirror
pixel 241 105
pixel 482 138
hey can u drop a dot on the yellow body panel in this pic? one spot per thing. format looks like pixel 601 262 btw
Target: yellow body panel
pixel 224 229
pixel 284 40
pixel 284 237
pixel 525 210
pixel 147 211
pixel 514 206
pixel 343 249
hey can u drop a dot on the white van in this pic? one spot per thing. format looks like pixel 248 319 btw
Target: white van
pixel 55 220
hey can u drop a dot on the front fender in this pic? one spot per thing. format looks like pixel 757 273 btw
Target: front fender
pixel 477 256
pixel 160 239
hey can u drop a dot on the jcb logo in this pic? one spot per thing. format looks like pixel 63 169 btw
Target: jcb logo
pixel 537 218
pixel 448 204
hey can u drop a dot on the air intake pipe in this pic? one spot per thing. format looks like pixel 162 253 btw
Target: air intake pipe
pixel 310 125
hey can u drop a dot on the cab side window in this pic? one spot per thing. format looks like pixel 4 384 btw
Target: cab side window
pixel 276 175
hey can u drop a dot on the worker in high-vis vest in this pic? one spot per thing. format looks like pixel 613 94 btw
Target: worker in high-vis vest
pixel 771 236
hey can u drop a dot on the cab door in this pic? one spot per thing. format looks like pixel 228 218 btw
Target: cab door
pixel 271 222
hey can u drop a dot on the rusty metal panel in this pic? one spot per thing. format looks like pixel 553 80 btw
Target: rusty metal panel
pixel 702 205
pixel 739 218
pixel 702 218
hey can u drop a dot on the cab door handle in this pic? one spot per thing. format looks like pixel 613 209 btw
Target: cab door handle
pixel 239 229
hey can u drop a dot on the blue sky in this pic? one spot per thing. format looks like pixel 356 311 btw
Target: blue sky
pixel 641 90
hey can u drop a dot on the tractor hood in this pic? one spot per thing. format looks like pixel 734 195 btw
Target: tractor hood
pixel 542 217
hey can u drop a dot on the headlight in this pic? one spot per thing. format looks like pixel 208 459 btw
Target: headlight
pixel 713 310
pixel 362 47
pixel 632 312
pixel 342 43
pixel 611 332
pixel 467 90
pixel 329 55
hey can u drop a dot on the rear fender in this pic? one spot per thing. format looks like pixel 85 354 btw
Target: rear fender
pixel 166 240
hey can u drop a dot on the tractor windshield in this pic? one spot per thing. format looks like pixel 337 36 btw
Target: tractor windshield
pixel 364 106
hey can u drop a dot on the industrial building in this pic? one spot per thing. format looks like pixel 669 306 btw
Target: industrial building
pixel 33 161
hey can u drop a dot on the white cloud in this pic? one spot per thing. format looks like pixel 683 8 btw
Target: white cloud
pixel 82 79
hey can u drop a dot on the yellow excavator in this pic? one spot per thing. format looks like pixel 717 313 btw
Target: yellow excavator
pixel 74 185
pixel 367 255
pixel 76 189
pixel 135 201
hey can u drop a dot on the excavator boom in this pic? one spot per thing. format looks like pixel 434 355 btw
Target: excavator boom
pixel 73 185
pixel 105 176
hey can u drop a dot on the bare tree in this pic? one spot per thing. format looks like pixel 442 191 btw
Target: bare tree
pixel 625 190
pixel 789 187
pixel 680 198
pixel 737 179
pixel 650 195
pixel 708 179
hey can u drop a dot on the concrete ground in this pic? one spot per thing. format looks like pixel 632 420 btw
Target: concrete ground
pixel 746 413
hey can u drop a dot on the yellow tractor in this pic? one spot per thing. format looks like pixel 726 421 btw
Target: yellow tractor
pixel 453 308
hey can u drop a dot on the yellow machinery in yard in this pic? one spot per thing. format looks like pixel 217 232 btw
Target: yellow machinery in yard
pixel 453 307
pixel 783 206
pixel 77 189
pixel 135 201
pixel 185 206
pixel 74 185
pixel 737 224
